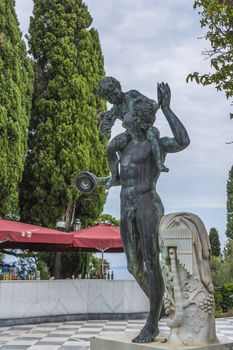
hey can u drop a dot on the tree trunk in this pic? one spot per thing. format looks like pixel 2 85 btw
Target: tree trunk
pixel 57 266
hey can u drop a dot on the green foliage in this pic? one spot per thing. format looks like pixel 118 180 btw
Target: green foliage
pixel 2 257
pixel 64 136
pixel 95 267
pixel 221 270
pixel 227 297
pixel 72 263
pixel 218 300
pixel 44 270
pixel 217 19
pixel 229 231
pixel 228 249
pixel 75 263
pixel 222 276
pixel 48 259
pixel 109 219
pixel 16 75
pixel 214 242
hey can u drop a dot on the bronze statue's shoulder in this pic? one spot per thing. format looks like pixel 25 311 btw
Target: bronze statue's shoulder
pixel 134 94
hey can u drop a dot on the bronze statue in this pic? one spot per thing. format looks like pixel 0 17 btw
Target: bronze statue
pixel 136 158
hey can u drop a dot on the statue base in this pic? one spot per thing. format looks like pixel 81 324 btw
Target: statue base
pixel 121 341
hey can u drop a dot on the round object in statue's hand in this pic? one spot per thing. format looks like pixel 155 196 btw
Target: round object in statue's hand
pixel 86 182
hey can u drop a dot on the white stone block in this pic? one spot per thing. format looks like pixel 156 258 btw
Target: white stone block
pixel 124 342
pixel 94 296
pixel 106 293
pixel 119 289
pixel 73 297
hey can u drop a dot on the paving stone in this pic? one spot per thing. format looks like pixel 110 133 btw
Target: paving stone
pixel 76 335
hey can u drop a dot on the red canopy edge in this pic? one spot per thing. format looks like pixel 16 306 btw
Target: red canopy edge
pixel 99 237
pixel 18 232
pixel 18 235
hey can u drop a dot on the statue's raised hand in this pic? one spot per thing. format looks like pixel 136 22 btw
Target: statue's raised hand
pixel 164 95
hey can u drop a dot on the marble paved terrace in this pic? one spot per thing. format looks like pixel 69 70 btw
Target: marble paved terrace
pixel 75 335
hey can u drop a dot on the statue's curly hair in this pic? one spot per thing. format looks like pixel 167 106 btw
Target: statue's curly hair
pixel 145 110
pixel 107 85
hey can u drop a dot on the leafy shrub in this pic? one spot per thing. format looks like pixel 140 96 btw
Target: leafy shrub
pixel 227 297
pixel 218 300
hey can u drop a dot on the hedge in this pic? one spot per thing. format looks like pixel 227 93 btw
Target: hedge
pixel 227 297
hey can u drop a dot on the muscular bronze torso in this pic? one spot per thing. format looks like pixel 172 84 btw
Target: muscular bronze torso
pixel 137 169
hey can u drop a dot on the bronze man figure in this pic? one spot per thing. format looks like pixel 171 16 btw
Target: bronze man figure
pixel 136 158
pixel 133 158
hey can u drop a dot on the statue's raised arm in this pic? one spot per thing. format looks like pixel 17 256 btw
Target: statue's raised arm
pixel 181 139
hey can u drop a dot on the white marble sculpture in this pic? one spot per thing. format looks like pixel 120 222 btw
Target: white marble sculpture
pixel 189 299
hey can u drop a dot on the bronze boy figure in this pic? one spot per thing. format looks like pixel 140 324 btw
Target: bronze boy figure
pixel 110 89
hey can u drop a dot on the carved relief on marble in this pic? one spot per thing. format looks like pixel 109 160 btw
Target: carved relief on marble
pixel 189 299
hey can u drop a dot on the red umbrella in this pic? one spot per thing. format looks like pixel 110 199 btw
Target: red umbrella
pixel 100 237
pixel 18 235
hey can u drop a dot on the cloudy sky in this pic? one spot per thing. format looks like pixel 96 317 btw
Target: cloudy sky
pixel 145 42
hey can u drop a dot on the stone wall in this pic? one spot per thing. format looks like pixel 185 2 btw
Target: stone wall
pixel 34 299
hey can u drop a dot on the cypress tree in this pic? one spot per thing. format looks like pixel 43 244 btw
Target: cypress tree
pixel 16 74
pixel 214 242
pixel 64 137
pixel 229 231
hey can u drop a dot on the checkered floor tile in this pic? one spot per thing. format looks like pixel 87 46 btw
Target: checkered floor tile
pixel 75 335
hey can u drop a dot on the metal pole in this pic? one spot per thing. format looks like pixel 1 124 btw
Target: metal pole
pixel 102 264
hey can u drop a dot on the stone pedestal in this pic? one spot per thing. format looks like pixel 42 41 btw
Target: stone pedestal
pixel 121 341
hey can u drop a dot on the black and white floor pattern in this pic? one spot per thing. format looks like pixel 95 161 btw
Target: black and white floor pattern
pixel 75 335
